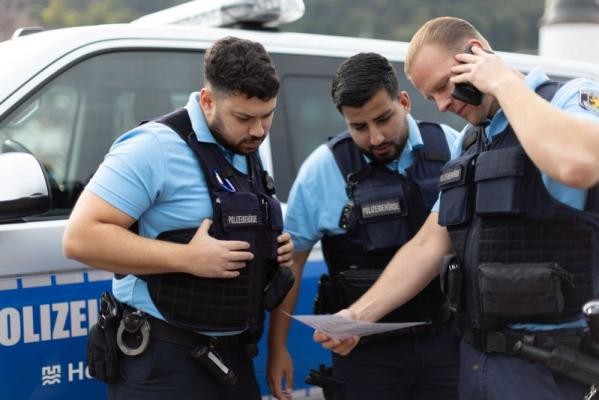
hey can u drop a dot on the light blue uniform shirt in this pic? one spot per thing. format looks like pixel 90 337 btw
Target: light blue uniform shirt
pixel 152 175
pixel 318 193
pixel 567 98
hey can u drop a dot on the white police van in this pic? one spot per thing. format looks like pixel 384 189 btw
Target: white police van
pixel 66 94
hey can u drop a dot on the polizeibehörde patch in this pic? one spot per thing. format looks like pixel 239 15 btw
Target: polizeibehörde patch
pixel 589 100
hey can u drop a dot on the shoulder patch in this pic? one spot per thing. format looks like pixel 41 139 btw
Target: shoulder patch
pixel 589 100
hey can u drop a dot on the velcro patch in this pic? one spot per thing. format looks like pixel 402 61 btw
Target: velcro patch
pixel 380 208
pixel 450 176
pixel 242 220
pixel 589 100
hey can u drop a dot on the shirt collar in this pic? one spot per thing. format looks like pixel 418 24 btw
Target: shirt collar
pixel 203 134
pixel 499 122
pixel 198 121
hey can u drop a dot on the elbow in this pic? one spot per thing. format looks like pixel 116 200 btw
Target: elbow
pixel 71 246
pixel 581 174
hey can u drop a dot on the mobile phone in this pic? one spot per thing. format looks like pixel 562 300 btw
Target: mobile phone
pixel 466 92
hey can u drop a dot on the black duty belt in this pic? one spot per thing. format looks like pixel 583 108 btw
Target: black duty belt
pixel 165 332
pixel 503 341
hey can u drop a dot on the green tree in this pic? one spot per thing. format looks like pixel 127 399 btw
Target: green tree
pixel 61 13
pixel 511 25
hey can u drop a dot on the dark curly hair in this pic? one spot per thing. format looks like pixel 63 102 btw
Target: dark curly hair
pixel 233 65
pixel 360 77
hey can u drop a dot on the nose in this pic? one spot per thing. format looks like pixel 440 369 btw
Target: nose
pixel 376 136
pixel 443 102
pixel 257 129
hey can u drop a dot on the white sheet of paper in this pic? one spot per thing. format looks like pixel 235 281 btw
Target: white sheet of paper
pixel 340 327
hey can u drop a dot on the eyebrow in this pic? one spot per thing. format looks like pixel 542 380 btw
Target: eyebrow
pixel 442 82
pixel 385 114
pixel 245 115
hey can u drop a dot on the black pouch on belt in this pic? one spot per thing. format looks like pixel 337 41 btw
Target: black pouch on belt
pixel 102 351
pixel 351 284
pixel 522 292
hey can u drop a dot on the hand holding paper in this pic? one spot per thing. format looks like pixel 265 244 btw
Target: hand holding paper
pixel 340 327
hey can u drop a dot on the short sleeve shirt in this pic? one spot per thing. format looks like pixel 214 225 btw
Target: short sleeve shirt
pixel 152 175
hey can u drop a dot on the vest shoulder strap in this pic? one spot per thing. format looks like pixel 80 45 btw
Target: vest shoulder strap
pixel 179 122
pixel 435 144
pixel 346 154
pixel 548 89
pixel 471 136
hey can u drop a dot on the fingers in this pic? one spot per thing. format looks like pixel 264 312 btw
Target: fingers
pixel 289 383
pixel 240 256
pixel 236 265
pixel 235 244
pixel 320 337
pixel 460 68
pixel 285 260
pixel 285 250
pixel 345 346
pixel 339 346
pixel 465 58
pixel 228 274
pixel 205 226
pixel 275 385
pixel 284 237
pixel 274 382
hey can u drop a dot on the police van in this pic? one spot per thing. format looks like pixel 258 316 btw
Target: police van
pixel 66 94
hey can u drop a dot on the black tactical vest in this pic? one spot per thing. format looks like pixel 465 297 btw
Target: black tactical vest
pixel 244 209
pixel 388 209
pixel 525 256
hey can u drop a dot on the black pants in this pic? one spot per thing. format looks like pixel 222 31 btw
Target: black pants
pixel 167 371
pixel 500 377
pixel 407 367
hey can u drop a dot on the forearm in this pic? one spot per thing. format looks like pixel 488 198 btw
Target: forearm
pixel 116 249
pixel 279 320
pixel 411 269
pixel 561 145
pixel 97 235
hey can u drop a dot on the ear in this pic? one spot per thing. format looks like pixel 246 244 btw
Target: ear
pixel 207 102
pixel 404 100
pixel 475 43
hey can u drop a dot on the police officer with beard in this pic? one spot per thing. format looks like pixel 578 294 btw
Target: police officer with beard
pixel 512 210
pixel 190 299
pixel 364 194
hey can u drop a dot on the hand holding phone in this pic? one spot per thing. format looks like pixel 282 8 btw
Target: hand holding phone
pixel 466 92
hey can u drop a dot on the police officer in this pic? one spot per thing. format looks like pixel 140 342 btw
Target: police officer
pixel 364 194
pixel 524 236
pixel 198 289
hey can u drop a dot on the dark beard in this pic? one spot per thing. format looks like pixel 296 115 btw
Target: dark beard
pixel 382 161
pixel 216 131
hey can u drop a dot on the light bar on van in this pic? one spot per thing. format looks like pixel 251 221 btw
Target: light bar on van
pixel 267 13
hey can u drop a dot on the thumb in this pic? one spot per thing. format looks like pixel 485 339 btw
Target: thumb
pixel 205 226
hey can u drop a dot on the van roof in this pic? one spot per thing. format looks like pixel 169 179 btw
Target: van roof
pixel 31 54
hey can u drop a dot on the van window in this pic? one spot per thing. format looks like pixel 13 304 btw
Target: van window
pixel 311 116
pixel 70 123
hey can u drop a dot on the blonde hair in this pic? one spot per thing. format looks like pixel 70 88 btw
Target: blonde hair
pixel 449 32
